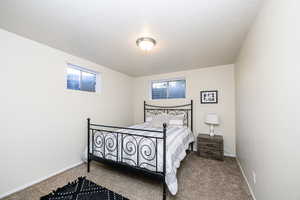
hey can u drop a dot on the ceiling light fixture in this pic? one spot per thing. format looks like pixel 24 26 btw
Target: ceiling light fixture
pixel 145 43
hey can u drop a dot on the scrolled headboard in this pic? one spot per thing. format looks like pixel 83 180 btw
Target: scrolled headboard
pixel 186 109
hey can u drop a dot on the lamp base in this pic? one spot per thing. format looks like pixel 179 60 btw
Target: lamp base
pixel 211 130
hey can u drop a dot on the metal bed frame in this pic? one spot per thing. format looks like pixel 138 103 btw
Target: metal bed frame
pixel 115 145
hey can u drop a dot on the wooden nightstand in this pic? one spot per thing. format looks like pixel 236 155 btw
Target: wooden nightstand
pixel 210 147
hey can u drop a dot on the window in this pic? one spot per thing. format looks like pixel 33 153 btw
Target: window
pixel 168 89
pixel 79 78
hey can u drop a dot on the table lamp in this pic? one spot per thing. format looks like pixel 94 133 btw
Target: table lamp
pixel 212 119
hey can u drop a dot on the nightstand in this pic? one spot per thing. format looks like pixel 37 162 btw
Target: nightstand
pixel 210 146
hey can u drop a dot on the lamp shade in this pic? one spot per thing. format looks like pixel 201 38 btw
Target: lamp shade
pixel 212 118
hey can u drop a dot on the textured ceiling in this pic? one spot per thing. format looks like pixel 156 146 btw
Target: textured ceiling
pixel 189 34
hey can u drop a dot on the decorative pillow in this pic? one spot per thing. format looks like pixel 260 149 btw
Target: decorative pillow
pixel 177 120
pixel 159 120
pixel 149 118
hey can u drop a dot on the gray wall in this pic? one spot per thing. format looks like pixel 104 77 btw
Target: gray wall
pixel 268 97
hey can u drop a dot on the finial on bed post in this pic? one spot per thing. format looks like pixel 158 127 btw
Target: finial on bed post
pixel 88 146
pixel 165 160
pixel 144 111
pixel 164 125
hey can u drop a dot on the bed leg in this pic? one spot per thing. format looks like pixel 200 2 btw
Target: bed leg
pixel 164 191
pixel 192 146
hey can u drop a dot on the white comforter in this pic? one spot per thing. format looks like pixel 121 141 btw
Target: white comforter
pixel 178 140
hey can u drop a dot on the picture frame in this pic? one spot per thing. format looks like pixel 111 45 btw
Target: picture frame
pixel 209 97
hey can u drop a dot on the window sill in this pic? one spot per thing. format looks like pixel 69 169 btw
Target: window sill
pixel 82 92
pixel 167 99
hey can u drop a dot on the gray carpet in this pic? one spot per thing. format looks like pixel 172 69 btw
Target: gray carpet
pixel 199 179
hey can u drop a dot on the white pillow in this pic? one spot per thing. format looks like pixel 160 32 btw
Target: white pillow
pixel 159 120
pixel 177 120
pixel 149 118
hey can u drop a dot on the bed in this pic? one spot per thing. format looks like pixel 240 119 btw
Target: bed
pixel 152 150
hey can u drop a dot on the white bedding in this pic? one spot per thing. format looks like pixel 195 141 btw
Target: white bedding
pixel 178 140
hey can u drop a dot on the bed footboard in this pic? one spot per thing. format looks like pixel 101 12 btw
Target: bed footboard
pixel 137 149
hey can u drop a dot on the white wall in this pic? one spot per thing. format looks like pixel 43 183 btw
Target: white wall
pixel 43 125
pixel 268 96
pixel 220 78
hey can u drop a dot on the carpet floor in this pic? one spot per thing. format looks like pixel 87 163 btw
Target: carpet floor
pixel 198 179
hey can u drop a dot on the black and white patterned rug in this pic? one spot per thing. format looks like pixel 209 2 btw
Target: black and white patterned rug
pixel 83 189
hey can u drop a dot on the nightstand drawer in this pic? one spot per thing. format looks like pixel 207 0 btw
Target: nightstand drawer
pixel 210 145
pixel 210 139
pixel 207 153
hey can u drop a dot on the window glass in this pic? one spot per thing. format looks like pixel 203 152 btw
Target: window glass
pixel 81 79
pixel 73 80
pixel 159 90
pixel 168 89
pixel 88 82
pixel 177 89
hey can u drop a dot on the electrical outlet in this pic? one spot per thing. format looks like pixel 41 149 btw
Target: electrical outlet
pixel 254 177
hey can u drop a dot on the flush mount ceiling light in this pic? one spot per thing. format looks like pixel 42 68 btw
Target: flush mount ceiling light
pixel 145 43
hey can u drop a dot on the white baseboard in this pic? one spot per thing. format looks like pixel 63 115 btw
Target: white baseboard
pixel 39 180
pixel 245 177
pixel 230 155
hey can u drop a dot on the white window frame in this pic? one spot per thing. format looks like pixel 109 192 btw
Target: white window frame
pixel 166 80
pixel 82 69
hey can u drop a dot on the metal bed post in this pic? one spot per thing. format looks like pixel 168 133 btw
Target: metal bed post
pixel 164 160
pixel 144 111
pixel 192 115
pixel 88 147
pixel 192 144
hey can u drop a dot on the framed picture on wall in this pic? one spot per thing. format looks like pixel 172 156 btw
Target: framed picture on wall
pixel 209 97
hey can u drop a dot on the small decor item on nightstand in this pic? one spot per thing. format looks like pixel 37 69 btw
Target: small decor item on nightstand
pixel 209 97
pixel 212 119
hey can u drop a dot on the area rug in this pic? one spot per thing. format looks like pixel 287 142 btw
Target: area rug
pixel 83 189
